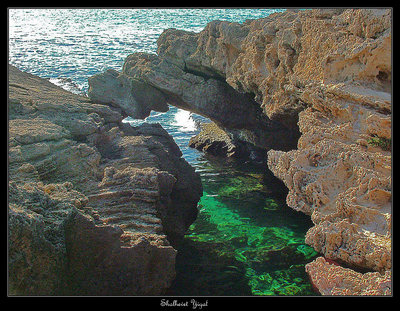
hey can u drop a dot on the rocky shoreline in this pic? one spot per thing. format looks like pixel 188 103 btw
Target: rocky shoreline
pixel 313 90
pixel 95 205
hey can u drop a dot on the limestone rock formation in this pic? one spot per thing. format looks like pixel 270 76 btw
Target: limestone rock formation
pixel 340 174
pixel 200 92
pixel 332 279
pixel 322 74
pixel 214 140
pixel 95 205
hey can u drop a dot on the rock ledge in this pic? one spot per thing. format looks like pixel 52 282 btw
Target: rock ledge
pixel 95 205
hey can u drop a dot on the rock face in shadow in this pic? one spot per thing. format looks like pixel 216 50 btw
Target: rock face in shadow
pixel 215 141
pixel 95 205
pixel 235 112
pixel 323 75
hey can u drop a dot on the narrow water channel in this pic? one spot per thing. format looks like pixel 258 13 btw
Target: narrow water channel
pixel 245 240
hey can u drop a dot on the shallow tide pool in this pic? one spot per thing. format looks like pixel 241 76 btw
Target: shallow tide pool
pixel 246 240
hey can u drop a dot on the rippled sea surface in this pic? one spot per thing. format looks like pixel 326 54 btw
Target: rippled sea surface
pixel 246 240
pixel 77 43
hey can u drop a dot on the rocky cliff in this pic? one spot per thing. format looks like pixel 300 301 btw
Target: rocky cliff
pixel 313 89
pixel 95 205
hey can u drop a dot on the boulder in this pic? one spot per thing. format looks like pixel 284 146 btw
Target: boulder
pixel 214 140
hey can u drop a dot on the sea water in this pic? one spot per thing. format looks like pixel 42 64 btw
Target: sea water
pixel 246 240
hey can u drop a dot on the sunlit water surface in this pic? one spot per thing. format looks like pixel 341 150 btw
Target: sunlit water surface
pixel 246 240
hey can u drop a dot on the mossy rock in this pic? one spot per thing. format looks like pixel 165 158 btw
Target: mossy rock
pixel 381 142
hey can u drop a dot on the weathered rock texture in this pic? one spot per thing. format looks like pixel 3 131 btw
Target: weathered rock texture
pixel 173 80
pixel 332 279
pixel 324 73
pixel 214 140
pixel 94 204
pixel 340 174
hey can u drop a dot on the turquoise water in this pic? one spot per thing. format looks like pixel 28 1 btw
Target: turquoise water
pixel 246 240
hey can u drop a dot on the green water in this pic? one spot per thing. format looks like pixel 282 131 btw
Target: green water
pixel 246 240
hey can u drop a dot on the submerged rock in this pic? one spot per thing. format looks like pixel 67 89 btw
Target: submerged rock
pixel 95 206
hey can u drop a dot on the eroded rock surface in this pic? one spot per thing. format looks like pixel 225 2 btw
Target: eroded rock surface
pixel 94 204
pixel 171 80
pixel 324 74
pixel 214 140
pixel 332 279
pixel 340 174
